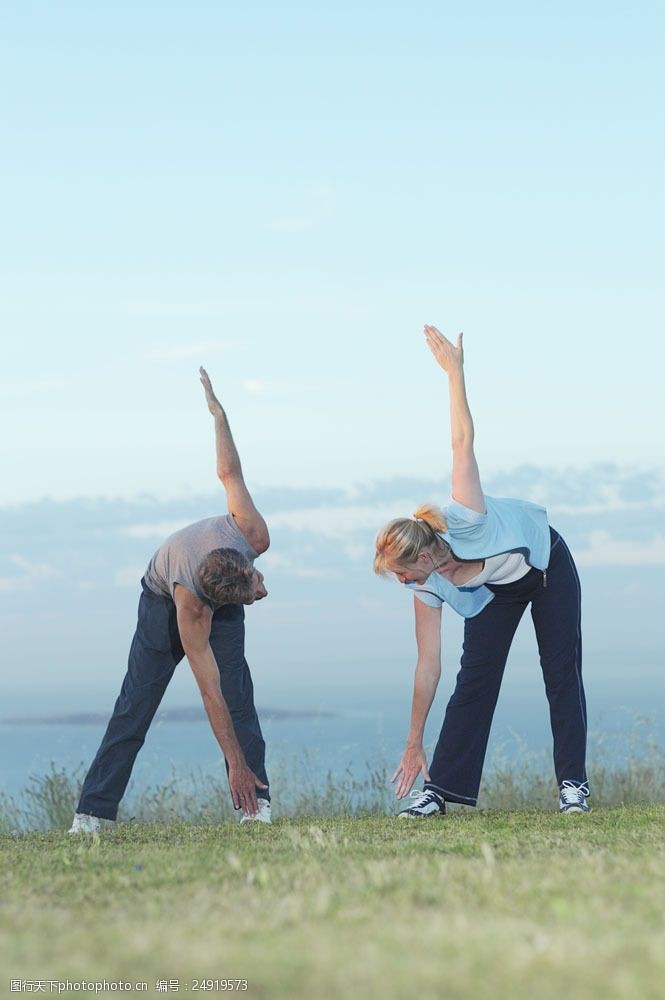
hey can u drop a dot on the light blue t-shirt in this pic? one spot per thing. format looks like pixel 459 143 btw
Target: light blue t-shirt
pixel 506 526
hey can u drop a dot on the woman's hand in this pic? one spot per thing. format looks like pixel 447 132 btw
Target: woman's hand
pixel 450 358
pixel 413 763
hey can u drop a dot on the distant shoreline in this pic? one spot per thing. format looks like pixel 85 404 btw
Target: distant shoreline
pixel 192 714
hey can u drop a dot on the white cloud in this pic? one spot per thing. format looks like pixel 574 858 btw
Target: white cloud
pixel 128 576
pixel 254 386
pixel 32 573
pixel 157 529
pixel 198 309
pixel 37 385
pixel 611 505
pixel 179 351
pixel 603 550
pixel 342 523
pixel 281 563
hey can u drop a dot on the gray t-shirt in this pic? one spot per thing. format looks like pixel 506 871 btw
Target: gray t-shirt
pixel 178 559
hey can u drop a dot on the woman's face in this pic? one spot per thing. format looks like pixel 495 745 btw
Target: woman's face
pixel 417 571
pixel 426 563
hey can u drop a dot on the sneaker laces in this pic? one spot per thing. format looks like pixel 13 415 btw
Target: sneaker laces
pixel 571 793
pixel 422 798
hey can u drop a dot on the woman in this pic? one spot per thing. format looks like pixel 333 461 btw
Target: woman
pixel 488 559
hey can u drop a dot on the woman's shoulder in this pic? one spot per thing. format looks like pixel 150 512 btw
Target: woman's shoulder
pixel 454 510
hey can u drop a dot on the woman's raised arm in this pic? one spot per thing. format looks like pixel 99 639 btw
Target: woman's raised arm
pixel 466 487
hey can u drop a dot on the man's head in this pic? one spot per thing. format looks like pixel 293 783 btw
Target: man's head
pixel 227 577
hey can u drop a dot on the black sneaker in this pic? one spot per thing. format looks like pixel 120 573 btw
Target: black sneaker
pixel 572 797
pixel 426 803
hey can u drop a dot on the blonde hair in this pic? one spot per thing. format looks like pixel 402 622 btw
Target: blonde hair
pixel 403 539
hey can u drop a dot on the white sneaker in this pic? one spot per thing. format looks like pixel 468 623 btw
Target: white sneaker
pixel 572 797
pixel 426 803
pixel 262 816
pixel 83 823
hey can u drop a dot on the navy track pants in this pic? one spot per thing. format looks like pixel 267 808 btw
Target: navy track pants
pixel 457 763
pixel 155 652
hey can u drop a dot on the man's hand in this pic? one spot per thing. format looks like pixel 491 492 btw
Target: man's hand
pixel 214 404
pixel 450 358
pixel 243 784
pixel 413 763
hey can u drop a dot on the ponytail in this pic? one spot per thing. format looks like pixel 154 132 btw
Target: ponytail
pixel 403 539
pixel 432 516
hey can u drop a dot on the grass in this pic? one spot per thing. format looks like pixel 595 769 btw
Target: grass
pixel 482 904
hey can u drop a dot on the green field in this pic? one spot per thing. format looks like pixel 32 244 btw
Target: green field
pixel 481 904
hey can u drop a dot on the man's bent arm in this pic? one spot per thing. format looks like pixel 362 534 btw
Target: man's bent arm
pixel 194 621
pixel 194 627
pixel 229 471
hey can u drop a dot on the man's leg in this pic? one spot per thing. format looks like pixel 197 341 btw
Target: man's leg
pixel 227 640
pixel 154 654
pixel 457 763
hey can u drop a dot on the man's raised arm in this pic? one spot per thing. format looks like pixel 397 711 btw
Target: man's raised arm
pixel 229 471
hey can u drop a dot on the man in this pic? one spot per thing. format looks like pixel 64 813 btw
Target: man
pixel 194 590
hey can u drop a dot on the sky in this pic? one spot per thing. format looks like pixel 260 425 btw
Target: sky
pixel 286 194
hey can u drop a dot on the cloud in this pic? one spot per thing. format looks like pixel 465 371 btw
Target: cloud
pixel 40 384
pixel 604 550
pixel 254 386
pixel 277 562
pixel 155 529
pixel 178 352
pixel 197 309
pixel 341 523
pixel 128 576
pixel 32 574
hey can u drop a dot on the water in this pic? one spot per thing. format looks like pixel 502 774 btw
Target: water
pixel 328 743
pixel 366 725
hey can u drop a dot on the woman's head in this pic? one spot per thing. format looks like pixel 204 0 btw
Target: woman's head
pixel 228 577
pixel 408 546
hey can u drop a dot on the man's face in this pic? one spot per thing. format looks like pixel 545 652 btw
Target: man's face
pixel 259 591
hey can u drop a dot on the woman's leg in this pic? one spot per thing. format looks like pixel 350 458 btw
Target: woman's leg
pixel 458 758
pixel 154 655
pixel 556 613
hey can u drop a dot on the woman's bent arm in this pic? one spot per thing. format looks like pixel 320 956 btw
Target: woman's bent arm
pixel 428 668
pixel 428 672
pixel 466 487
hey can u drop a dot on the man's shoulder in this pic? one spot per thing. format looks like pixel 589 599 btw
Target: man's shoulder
pixel 186 600
pixel 218 524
